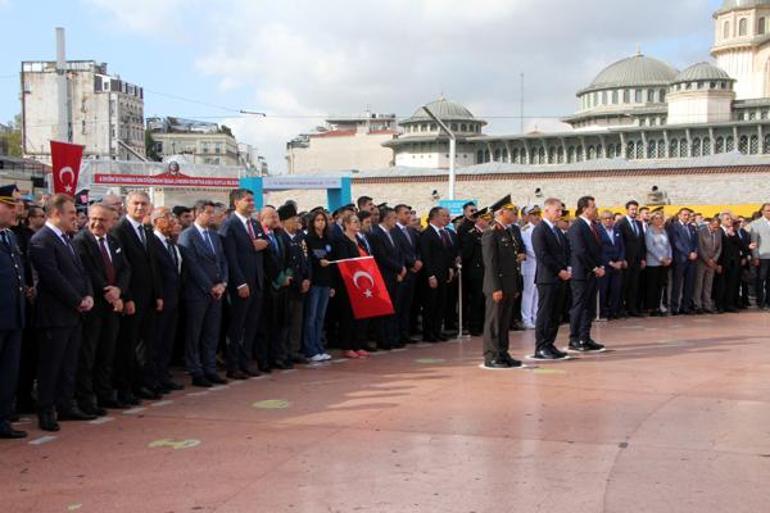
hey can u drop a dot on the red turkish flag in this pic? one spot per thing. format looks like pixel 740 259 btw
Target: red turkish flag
pixel 65 161
pixel 367 291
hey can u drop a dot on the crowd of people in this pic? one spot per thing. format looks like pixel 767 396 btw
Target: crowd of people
pixel 101 300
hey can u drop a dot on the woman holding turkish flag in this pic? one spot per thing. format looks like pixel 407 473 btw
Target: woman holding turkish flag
pixel 351 330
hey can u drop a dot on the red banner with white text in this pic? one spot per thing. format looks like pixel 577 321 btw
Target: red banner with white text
pixel 367 291
pixel 65 163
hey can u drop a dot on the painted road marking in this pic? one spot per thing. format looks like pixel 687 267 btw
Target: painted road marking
pixel 134 411
pixel 42 440
pixel 175 444
pixel 162 403
pixel 272 404
pixel 101 420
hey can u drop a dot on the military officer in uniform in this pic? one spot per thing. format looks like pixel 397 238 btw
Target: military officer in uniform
pixel 473 271
pixel 11 311
pixel 501 284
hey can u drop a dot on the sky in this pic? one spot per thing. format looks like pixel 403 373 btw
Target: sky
pixel 300 61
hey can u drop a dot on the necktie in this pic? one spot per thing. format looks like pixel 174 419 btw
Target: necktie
pixel 68 243
pixel 595 232
pixel 389 237
pixel 250 229
pixel 405 230
pixel 445 238
pixel 172 252
pixel 208 240
pixel 635 227
pixel 6 242
pixel 108 267
pixel 556 234
pixel 140 234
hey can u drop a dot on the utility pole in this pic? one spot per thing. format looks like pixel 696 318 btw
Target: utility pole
pixel 64 131
pixel 452 150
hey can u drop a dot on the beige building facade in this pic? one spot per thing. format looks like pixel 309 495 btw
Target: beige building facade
pixel 107 113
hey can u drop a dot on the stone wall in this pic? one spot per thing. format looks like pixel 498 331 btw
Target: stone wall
pixel 712 186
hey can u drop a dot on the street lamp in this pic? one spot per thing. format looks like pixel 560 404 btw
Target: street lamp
pixel 452 149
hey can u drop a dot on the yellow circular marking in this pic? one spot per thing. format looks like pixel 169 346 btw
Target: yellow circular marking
pixel 175 444
pixel 429 360
pixel 74 507
pixel 549 371
pixel 272 404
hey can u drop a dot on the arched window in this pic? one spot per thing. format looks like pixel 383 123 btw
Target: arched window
pixel 454 127
pixel 766 145
pixel 726 31
pixel 639 150
pixel 661 149
pixel 433 127
pixel 615 97
pixel 599 149
pixel 541 156
pixel 505 155
pixel 579 154
pixel 479 157
pixel 729 144
pixel 720 145
pixel 662 95
pixel 560 155
pixel 497 155
pixel 650 95
pixel 706 146
pixel 742 26
pixel 626 96
pixel 743 144
pixel 761 26
pixel 754 145
pixel 590 153
pixel 486 156
pixel 638 96
pixel 571 154
pixel 515 157
pixel 604 97
pixel 696 147
pixel 630 150
pixel 463 128
pixel 651 149
pixel 673 148
pixel 682 147
pixel 551 155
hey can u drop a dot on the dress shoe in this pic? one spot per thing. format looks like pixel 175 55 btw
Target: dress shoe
pixel 113 404
pixel 429 340
pixel 146 393
pixel 128 398
pixel 593 345
pixel 14 417
pixel 75 413
pixel 475 333
pixel 216 379
pixel 547 353
pixel 92 409
pixel 497 363
pixel 517 326
pixel 237 375
pixel 636 314
pixel 265 369
pixel 252 372
pixel 399 345
pixel 172 385
pixel 442 337
pixel 283 365
pixel 558 352
pixel 8 433
pixel 201 381
pixel 512 362
pixel 46 420
pixel 298 359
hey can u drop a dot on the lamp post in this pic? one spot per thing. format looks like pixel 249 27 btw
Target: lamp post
pixel 452 149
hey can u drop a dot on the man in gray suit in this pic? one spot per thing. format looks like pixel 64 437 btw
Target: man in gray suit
pixel 709 249
pixel 207 267
pixel 501 284
pixel 760 254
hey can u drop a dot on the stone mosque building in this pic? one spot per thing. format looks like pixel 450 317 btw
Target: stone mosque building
pixel 700 135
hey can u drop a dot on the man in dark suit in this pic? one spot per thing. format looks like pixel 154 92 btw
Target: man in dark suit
pixel 473 272
pixel 110 275
pixel 501 285
pixel 551 277
pixel 64 293
pixel 171 266
pixel 469 219
pixel 245 244
pixel 438 270
pixel 587 268
pixel 207 266
pixel 135 375
pixel 684 243
pixel 729 267
pixel 12 311
pixel 407 240
pixel 614 261
pixel 632 233
pixel 392 265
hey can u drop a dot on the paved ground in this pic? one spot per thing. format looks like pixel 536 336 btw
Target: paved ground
pixel 675 419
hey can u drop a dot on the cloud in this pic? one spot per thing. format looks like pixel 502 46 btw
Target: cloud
pixel 304 58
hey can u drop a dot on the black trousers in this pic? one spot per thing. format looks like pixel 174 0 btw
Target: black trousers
pixel 631 281
pixel 682 290
pixel 656 284
pixel 135 337
pixel 497 324
pixel 245 318
pixel 387 326
pixel 550 307
pixel 404 298
pixel 57 365
pixel 10 353
pixel 763 283
pixel 450 305
pixel 204 321
pixel 610 287
pixel 433 310
pixel 97 354
pixel 474 294
pixel 726 286
pixel 27 366
pixel 583 309
pixel 166 329
pixel 271 339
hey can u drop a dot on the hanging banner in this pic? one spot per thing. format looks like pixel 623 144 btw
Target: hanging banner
pixel 65 163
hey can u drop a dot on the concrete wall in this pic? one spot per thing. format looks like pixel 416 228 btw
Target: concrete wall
pixel 333 153
pixel 699 106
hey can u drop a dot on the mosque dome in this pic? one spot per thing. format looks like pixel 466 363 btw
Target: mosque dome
pixel 701 71
pixel 445 110
pixel 635 71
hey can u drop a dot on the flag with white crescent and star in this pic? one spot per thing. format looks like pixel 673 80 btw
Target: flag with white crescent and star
pixel 65 164
pixel 367 291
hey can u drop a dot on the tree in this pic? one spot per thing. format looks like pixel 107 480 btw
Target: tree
pixel 226 130
pixel 10 141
